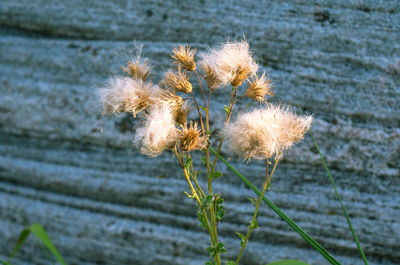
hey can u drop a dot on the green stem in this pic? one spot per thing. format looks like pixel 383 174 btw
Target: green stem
pixel 364 258
pixel 254 220
pixel 287 219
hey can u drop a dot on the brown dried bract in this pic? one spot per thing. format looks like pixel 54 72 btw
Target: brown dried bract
pixel 190 139
pixel 184 56
pixel 137 69
pixel 259 88
pixel 177 81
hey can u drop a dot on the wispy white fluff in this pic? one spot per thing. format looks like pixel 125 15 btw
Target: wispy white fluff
pixel 158 132
pixel 265 132
pixel 226 60
pixel 124 94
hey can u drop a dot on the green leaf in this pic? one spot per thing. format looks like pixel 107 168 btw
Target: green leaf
pixel 226 109
pixel 220 247
pixel 210 262
pixel 203 108
pixel 202 219
pixel 216 174
pixel 276 209
pixel 207 200
pixel 4 262
pixel 230 262
pixel 253 200
pixel 220 212
pixel 188 162
pixel 203 160
pixel 219 200
pixel 242 238
pixel 38 231
pixel 287 262
pixel 340 201
pixel 253 225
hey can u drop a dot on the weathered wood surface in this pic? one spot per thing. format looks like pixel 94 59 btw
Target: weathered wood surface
pixel 103 203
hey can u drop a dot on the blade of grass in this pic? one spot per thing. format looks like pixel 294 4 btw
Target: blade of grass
pixel 40 233
pixel 276 209
pixel 341 202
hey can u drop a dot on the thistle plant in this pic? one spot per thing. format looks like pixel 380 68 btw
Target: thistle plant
pixel 262 133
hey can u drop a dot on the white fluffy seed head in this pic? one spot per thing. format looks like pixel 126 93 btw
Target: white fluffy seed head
pixel 231 63
pixel 123 94
pixel 266 132
pixel 158 132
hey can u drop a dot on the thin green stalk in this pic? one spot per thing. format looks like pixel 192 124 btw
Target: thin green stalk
pixel 340 201
pixel 254 219
pixel 288 220
pixel 232 102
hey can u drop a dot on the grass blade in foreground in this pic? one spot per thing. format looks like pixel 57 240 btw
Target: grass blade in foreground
pixel 341 203
pixel 41 234
pixel 289 221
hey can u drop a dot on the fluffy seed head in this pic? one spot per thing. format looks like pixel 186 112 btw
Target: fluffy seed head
pixel 190 139
pixel 182 113
pixel 258 88
pixel 177 81
pixel 158 133
pixel 262 133
pixel 137 69
pixel 213 82
pixel 123 94
pixel 174 101
pixel 232 62
pixel 184 56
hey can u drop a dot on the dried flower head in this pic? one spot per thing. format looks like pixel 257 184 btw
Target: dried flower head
pixel 182 113
pixel 137 69
pixel 158 133
pixel 190 139
pixel 174 101
pixel 184 56
pixel 232 63
pixel 265 132
pixel 258 88
pixel 123 94
pixel 213 82
pixel 177 81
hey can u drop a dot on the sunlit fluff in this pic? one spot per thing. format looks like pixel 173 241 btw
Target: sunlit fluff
pixel 258 88
pixel 158 132
pixel 138 69
pixel 123 94
pixel 265 132
pixel 231 63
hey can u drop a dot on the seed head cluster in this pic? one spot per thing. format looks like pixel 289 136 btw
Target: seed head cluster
pixel 164 114
pixel 265 132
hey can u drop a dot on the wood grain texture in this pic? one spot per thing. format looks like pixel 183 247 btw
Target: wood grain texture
pixel 104 203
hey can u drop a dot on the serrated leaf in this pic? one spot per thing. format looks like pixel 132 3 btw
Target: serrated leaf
pixel 216 174
pixel 220 247
pixel 240 235
pixel 230 262
pixel 210 262
pixel 287 262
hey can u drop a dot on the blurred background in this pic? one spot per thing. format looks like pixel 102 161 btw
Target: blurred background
pixel 65 167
